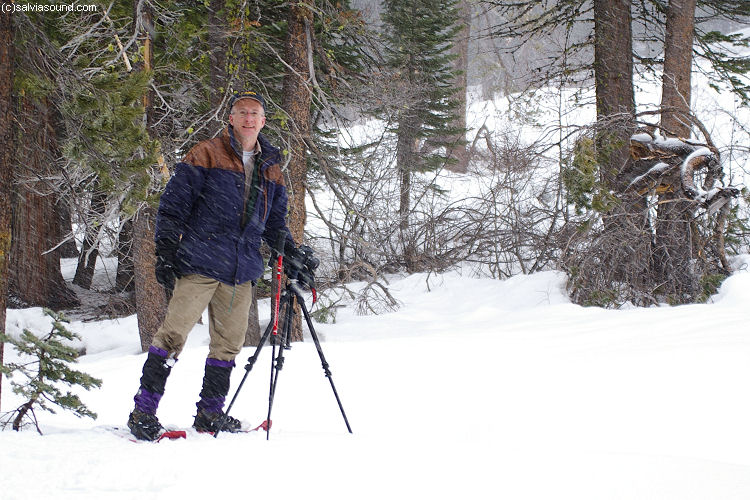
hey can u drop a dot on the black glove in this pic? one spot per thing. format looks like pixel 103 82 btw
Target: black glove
pixel 282 246
pixel 166 263
pixel 290 250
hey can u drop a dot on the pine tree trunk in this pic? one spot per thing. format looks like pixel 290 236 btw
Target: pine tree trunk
pixel 22 411
pixel 68 249
pixel 674 238
pixel 627 227
pixel 252 335
pixel 90 247
pixel 615 97
pixel 7 155
pixel 461 48
pixel 296 100
pixel 678 65
pixel 35 277
pixel 125 279
pixel 150 299
pixel 405 151
pixel 217 56
pixel 407 146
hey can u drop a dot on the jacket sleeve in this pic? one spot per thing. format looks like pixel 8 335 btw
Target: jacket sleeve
pixel 177 201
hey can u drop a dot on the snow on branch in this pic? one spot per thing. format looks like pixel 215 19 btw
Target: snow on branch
pixel 672 164
pixel 650 177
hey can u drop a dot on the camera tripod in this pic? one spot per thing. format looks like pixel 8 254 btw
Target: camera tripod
pixel 291 294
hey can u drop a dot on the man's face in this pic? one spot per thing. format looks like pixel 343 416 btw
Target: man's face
pixel 247 118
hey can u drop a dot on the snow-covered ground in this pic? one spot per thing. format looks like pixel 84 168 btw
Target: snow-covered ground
pixel 474 388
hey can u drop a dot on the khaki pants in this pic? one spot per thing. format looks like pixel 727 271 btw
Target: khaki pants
pixel 228 311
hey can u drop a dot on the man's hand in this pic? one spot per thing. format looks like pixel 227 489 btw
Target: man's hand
pixel 166 263
pixel 290 250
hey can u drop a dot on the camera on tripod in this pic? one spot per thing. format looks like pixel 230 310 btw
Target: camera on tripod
pixel 301 264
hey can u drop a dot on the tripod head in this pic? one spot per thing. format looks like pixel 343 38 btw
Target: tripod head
pixel 300 264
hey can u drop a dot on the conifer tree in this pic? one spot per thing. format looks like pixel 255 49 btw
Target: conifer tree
pixel 35 277
pixel 71 65
pixel 419 35
pixel 7 158
pixel 45 364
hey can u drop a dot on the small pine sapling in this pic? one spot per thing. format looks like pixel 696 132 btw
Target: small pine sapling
pixel 45 364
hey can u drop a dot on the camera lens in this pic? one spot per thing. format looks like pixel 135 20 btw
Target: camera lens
pixel 313 263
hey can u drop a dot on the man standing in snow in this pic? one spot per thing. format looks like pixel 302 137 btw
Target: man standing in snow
pixel 224 196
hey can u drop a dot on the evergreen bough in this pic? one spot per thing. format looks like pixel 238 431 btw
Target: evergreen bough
pixel 419 37
pixel 49 365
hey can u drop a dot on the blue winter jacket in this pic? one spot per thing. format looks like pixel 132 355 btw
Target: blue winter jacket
pixel 202 208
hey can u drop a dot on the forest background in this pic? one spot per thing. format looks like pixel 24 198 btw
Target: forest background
pixel 640 205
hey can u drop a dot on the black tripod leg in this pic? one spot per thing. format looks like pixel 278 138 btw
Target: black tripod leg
pixel 248 367
pixel 277 362
pixel 271 384
pixel 326 368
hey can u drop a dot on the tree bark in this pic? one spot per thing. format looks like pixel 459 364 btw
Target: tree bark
pixel 90 247
pixel 217 57
pixel 68 249
pixel 252 334
pixel 615 97
pixel 626 225
pixel 406 147
pixel 7 156
pixel 124 282
pixel 296 101
pixel 150 298
pixel 678 65
pixel 461 48
pixel 35 277
pixel 674 237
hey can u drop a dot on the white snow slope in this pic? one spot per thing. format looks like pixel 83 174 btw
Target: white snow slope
pixel 477 388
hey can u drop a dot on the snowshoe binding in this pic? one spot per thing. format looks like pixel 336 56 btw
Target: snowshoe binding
pixel 145 426
pixel 209 422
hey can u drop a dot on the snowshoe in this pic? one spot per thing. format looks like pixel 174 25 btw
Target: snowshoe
pixel 145 426
pixel 210 422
